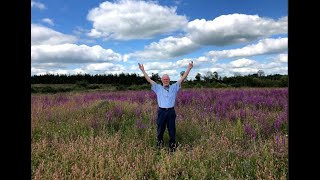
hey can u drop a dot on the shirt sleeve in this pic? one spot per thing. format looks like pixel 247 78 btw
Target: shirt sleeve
pixel 176 87
pixel 155 87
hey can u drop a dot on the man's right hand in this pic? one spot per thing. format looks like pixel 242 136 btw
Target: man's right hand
pixel 141 67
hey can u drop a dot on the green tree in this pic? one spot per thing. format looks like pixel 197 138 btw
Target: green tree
pixel 198 77
pixel 215 75
pixel 155 77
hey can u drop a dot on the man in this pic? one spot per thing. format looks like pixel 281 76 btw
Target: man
pixel 166 96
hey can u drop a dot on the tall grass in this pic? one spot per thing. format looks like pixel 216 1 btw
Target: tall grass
pixel 221 134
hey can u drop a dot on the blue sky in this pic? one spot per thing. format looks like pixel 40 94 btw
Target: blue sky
pixel 230 37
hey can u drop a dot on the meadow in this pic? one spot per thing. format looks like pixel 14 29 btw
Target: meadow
pixel 225 133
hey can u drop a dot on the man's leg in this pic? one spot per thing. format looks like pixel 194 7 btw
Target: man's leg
pixel 161 126
pixel 172 129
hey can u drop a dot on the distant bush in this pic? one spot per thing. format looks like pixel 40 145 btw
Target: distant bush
pixel 220 85
pixel 94 86
pixel 82 83
pixel 49 89
pixel 139 87
pixel 121 88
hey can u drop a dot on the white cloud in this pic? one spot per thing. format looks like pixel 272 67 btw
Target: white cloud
pixel 277 70
pixel 46 68
pixel 55 52
pixel 283 58
pixel 159 66
pixel 234 29
pixel 203 71
pixel 48 21
pixel 247 66
pixel 169 72
pixel 71 53
pixel 104 67
pixel 166 48
pixel 242 63
pixel 95 68
pixel 38 5
pixel 50 65
pixel 197 62
pixel 49 46
pixel 43 35
pixel 128 19
pixel 265 46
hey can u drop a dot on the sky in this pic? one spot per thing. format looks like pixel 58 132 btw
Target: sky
pixel 230 37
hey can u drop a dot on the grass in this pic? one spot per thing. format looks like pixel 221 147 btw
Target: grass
pixel 110 139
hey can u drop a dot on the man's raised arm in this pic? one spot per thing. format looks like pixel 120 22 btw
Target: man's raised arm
pixel 186 73
pixel 145 74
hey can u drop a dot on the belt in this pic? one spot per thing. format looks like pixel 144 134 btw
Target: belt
pixel 166 108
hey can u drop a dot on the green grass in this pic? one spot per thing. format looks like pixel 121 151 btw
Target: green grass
pixel 83 144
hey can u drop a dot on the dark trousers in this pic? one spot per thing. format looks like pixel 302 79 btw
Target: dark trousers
pixel 166 118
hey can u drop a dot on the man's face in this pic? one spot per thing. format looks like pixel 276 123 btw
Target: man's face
pixel 165 80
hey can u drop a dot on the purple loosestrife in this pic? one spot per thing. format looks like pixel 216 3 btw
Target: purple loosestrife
pixel 269 104
pixel 123 99
pixel 281 119
pixel 118 111
pixel 184 98
pixel 109 115
pixel 49 116
pixel 277 124
pixel 78 100
pixel 242 114
pixel 232 116
pixel 277 143
pixel 46 103
pixel 87 99
pixel 249 131
pixel 61 100
pixel 138 112
pixel 266 128
pixel 94 124
pixel 139 97
pixel 140 125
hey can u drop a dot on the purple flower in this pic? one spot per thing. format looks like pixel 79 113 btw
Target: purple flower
pixel 249 131
pixel 140 125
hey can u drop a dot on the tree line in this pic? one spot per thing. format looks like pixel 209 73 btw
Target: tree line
pixel 210 79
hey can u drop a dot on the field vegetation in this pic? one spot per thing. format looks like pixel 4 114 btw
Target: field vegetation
pixel 225 133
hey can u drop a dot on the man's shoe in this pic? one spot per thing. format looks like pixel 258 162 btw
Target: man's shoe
pixel 160 144
pixel 173 147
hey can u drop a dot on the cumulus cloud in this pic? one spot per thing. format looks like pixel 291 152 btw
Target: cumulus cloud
pixel 104 66
pixel 265 46
pixel 43 35
pixel 38 5
pixel 166 48
pixel 52 49
pixel 159 65
pixel 46 68
pixel 128 19
pixel 282 58
pixel 63 71
pixel 71 53
pixel 242 67
pixel 240 63
pixel 48 21
pixel 94 68
pixel 234 29
pixel 197 62
pixel 245 66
